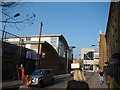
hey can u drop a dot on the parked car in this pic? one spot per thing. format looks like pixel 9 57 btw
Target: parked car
pixel 41 77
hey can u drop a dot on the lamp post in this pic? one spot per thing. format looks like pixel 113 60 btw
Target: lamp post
pixel 95 45
pixel 5 21
pixel 67 51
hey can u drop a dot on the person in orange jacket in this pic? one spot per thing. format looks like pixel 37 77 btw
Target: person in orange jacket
pixel 22 70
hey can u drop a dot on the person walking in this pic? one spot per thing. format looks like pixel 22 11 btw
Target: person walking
pixel 78 81
pixel 101 73
pixel 22 71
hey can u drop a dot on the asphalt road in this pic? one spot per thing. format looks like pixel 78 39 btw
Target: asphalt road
pixel 61 83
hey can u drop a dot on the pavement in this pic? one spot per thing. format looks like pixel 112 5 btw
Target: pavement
pixel 88 75
pixel 94 82
pixel 8 85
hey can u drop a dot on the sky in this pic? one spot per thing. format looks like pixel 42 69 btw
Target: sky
pixel 79 22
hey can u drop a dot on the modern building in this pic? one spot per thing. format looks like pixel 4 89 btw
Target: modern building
pixel 90 59
pixel 57 41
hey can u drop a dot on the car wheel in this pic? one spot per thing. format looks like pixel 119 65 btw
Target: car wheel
pixel 40 85
pixel 52 81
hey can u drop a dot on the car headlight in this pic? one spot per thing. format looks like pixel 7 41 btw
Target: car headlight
pixel 35 80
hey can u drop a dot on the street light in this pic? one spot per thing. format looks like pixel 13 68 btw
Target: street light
pixel 94 45
pixel 16 15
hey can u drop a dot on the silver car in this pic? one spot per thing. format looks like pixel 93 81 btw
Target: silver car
pixel 42 77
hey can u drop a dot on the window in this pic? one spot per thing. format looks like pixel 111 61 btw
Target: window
pixel 89 55
pixel 28 38
pixel 115 29
pixel 54 41
pixel 115 20
pixel 22 39
pixel 91 67
pixel 113 26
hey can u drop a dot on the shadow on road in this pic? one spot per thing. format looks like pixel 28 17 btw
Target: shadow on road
pixel 59 80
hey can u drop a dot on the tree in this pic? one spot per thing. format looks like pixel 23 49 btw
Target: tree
pixel 6 6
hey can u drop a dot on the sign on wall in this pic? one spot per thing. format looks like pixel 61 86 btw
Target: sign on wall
pixel 75 65
pixel 31 55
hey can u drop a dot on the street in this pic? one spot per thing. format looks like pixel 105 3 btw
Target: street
pixel 62 80
pixel 61 83
pixel 92 80
pixel 61 37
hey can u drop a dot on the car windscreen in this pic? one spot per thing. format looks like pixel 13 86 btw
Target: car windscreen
pixel 37 72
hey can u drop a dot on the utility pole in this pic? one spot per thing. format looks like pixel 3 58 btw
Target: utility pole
pixel 67 51
pixel 39 49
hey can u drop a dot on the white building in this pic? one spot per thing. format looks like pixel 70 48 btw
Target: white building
pixel 90 59
pixel 57 41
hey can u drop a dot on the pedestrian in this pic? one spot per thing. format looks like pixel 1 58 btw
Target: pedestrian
pixel 101 74
pixel 22 71
pixel 26 83
pixel 78 81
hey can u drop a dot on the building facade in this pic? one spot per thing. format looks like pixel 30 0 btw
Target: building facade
pixel 102 51
pixel 12 57
pixel 90 59
pixel 112 36
pixel 53 48
pixel 57 41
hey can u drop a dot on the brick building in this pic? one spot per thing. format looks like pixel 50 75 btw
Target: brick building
pixel 112 67
pixel 102 50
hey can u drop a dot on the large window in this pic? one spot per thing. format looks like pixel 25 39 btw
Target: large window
pixel 54 41
pixel 88 66
pixel 88 55
pixel 28 38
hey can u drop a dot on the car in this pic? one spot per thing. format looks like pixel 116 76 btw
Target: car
pixel 41 77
